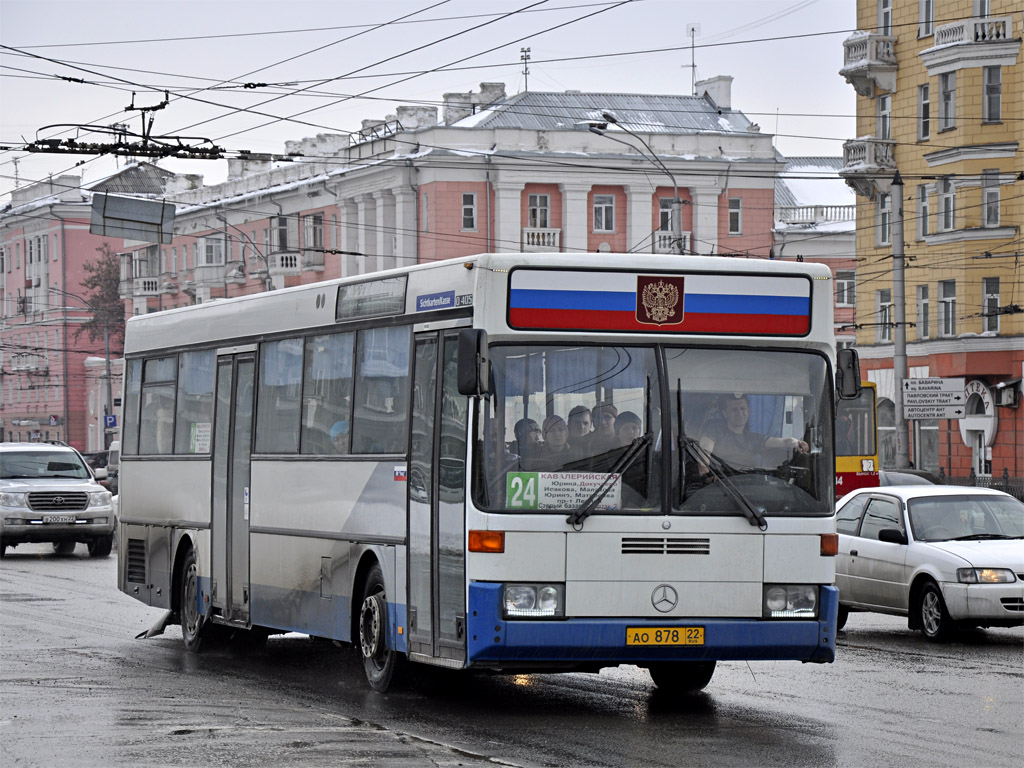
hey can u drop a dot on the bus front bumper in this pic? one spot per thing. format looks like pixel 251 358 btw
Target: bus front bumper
pixel 496 641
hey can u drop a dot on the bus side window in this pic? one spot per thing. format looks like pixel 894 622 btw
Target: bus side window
pixel 279 396
pixel 381 414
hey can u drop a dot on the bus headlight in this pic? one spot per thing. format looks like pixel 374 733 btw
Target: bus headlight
pixel 790 601
pixel 533 601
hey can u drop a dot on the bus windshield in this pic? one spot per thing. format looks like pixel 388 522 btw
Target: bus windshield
pixel 584 427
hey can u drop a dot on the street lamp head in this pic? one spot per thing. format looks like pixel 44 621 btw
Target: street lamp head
pixel 609 116
pixel 598 128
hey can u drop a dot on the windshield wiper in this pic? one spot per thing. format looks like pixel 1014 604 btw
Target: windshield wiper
pixel 754 515
pixel 982 536
pixel 625 462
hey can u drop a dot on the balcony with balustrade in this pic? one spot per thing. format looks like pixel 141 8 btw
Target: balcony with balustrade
pixel 663 242
pixel 540 240
pixel 869 62
pixel 976 42
pixel 868 165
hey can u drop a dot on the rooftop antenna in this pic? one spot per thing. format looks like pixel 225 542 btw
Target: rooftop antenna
pixel 525 58
pixel 693 30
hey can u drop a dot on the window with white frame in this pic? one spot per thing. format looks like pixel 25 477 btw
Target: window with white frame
pixel 924 112
pixel 213 251
pixel 538 208
pixel 846 289
pixel 665 214
pixel 884 219
pixel 990 287
pixel 925 17
pixel 922 312
pixel 947 101
pixel 884 123
pixel 992 104
pixel 990 198
pixel 468 211
pixel 923 211
pixel 947 205
pixel 883 314
pixel 885 17
pixel 604 213
pixel 735 216
pixel 279 225
pixel 313 231
pixel 947 308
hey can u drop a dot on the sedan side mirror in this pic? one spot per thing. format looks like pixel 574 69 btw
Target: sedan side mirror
pixel 892 535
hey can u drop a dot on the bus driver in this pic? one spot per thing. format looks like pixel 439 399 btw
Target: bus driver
pixel 735 444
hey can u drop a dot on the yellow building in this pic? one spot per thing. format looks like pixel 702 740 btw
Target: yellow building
pixel 940 99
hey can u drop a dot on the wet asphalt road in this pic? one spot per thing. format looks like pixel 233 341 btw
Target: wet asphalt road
pixel 77 690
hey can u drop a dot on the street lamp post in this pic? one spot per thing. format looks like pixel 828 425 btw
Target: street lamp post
pixel 268 284
pixel 677 204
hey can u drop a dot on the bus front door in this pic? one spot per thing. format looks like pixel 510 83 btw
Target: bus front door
pixel 231 450
pixel 437 481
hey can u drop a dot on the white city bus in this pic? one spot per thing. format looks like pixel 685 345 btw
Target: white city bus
pixel 343 460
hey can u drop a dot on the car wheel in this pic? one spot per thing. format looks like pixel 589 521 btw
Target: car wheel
pixel 682 676
pixel 192 622
pixel 64 548
pixel 935 622
pixel 3 549
pixel 844 614
pixel 101 546
pixel 379 661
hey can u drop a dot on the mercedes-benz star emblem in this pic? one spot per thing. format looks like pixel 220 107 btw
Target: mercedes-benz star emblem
pixel 664 598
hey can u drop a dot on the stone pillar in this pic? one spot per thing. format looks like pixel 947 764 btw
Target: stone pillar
pixel 366 232
pixel 405 227
pixel 639 230
pixel 350 265
pixel 576 221
pixel 508 224
pixel 385 226
pixel 705 220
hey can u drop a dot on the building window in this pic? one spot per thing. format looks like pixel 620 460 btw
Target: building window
pixel 279 225
pixel 922 312
pixel 735 216
pixel 947 308
pixel 665 214
pixel 990 287
pixel 990 198
pixel 947 206
pixel 947 101
pixel 885 17
pixel 993 103
pixel 924 112
pixel 213 251
pixel 884 219
pixel 604 213
pixel 883 311
pixel 926 17
pixel 313 231
pixel 884 116
pixel 468 211
pixel 846 289
pixel 923 211
pixel 538 207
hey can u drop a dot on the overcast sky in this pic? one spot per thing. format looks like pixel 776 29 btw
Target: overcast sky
pixel 358 60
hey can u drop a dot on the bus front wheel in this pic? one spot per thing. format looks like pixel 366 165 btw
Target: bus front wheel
pixel 379 661
pixel 191 618
pixel 682 676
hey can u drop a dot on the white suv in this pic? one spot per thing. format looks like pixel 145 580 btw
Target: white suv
pixel 48 493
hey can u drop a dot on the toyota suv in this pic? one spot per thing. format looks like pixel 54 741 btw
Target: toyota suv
pixel 49 494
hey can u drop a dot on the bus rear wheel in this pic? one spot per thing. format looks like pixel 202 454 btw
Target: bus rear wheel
pixel 379 661
pixel 682 676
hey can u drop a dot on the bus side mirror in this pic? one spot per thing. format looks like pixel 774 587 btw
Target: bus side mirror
pixel 474 372
pixel 848 374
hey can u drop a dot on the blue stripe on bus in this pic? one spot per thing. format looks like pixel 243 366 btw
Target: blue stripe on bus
pixel 614 301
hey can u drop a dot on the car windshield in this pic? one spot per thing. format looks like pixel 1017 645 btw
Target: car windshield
pixel 967 516
pixel 584 429
pixel 27 465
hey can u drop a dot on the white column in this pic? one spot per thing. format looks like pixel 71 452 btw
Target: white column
pixel 350 265
pixel 705 220
pixel 639 235
pixel 508 227
pixel 576 221
pixel 405 227
pixel 366 232
pixel 385 205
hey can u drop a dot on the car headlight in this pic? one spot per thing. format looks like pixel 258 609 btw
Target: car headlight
pixel 12 499
pixel 99 498
pixel 985 575
pixel 530 601
pixel 790 601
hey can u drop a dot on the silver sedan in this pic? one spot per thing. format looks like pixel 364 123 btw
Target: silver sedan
pixel 942 556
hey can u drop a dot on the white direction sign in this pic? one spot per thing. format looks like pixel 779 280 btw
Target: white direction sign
pixel 934 398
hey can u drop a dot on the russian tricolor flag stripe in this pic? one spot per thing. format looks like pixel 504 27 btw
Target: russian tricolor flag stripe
pixel 713 303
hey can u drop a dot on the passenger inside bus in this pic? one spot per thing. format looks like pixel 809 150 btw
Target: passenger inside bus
pixel 603 439
pixel 555 451
pixel 581 432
